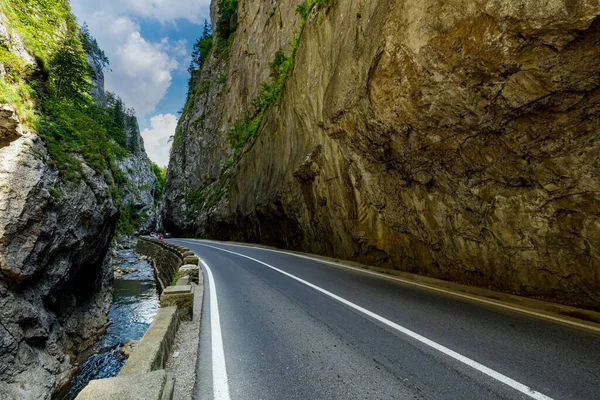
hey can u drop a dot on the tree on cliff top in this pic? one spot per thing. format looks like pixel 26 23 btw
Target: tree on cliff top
pixel 201 48
pixel 68 68
pixel 227 20
pixel 90 45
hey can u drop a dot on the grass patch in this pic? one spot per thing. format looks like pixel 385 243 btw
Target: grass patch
pixel 210 195
pixel 56 193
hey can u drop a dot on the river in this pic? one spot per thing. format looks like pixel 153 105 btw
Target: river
pixel 135 303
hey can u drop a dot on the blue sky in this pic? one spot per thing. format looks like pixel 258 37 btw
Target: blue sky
pixel 149 43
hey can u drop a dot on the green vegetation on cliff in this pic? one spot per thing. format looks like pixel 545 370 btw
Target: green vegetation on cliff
pixel 161 178
pixel 202 48
pixel 130 219
pixel 49 85
pixel 247 125
pixel 270 93
pixel 227 22
pixel 52 96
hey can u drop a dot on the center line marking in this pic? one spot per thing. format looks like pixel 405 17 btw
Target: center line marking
pixel 451 353
pixel 219 371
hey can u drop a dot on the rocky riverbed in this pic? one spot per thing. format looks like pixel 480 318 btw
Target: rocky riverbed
pixel 135 303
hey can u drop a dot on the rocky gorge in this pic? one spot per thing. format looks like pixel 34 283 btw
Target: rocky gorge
pixel 71 175
pixel 455 139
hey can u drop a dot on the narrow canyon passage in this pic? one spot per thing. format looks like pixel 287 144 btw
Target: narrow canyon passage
pixel 451 142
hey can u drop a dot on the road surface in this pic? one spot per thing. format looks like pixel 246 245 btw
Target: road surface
pixel 278 326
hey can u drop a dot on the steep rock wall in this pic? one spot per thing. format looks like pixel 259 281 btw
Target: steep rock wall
pixel 55 274
pixel 138 190
pixel 457 139
pixel 141 181
pixel 55 233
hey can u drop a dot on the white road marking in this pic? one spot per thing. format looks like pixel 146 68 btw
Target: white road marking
pixel 428 287
pixel 219 371
pixel 451 353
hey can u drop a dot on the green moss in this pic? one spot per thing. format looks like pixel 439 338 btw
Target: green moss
pixel 57 193
pixel 130 219
pixel 175 279
pixel 161 178
pixel 203 88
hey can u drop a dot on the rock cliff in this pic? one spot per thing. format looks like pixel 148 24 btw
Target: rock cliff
pixel 139 179
pixel 140 186
pixel 55 229
pixel 55 275
pixel 458 139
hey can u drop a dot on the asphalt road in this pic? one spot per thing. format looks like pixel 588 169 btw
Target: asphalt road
pixel 276 326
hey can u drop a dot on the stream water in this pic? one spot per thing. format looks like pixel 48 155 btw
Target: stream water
pixel 135 303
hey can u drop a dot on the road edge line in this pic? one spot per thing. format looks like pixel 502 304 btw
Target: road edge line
pixel 219 368
pixel 480 299
pixel 428 342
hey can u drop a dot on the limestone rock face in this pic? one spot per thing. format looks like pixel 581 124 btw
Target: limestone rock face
pixel 458 139
pixel 10 127
pixel 97 78
pixel 55 274
pixel 140 185
pixel 139 189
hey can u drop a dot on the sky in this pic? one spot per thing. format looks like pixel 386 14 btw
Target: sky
pixel 149 43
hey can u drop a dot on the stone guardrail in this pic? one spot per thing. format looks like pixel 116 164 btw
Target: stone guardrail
pixel 144 377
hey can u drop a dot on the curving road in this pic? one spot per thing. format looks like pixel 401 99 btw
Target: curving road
pixel 280 326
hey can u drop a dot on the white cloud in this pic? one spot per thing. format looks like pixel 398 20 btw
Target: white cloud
pixel 156 139
pixel 141 70
pixel 164 11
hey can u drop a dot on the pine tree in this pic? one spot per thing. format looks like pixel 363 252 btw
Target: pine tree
pixel 69 69
pixel 201 48
pixel 91 47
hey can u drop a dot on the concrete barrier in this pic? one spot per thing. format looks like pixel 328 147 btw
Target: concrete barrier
pixel 191 271
pixel 180 297
pixel 156 385
pixel 164 257
pixel 153 350
pixel 144 376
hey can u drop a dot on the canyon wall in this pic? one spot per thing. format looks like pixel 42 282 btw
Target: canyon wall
pixel 56 222
pixel 456 139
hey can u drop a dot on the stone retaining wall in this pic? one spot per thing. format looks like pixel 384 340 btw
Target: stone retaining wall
pixel 166 259
pixel 146 365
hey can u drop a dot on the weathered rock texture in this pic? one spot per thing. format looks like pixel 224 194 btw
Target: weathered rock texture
pixel 55 270
pixel 139 188
pixel 55 277
pixel 458 139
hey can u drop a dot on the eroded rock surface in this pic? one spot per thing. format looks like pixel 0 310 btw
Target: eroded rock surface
pixel 55 277
pixel 458 139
